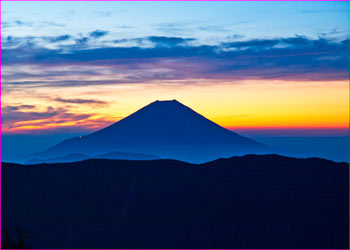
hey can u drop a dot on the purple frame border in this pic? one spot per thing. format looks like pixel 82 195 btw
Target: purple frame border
pixel 163 1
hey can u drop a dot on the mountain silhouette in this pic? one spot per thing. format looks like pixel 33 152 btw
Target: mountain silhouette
pixel 248 202
pixel 80 157
pixel 167 129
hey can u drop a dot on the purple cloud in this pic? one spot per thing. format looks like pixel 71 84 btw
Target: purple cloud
pixel 81 101
pixel 293 58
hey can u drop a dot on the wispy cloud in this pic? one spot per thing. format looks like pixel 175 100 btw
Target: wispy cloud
pixel 103 13
pixel 172 28
pixel 98 33
pixel 27 118
pixel 11 108
pixel 52 24
pixel 81 101
pixel 15 23
pixel 82 40
pixel 154 41
pixel 169 41
pixel 124 26
pixel 178 58
pixel 58 38
pixel 213 28
pixel 12 114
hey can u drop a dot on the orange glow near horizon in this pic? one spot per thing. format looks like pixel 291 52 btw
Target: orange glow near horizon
pixel 243 104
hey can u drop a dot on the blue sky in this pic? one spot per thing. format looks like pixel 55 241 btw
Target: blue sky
pixel 209 22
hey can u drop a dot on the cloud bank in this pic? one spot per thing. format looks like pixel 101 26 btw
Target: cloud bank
pixel 147 59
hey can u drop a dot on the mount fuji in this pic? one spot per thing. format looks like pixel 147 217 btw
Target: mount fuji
pixel 167 129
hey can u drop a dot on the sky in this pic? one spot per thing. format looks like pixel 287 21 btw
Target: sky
pixel 76 67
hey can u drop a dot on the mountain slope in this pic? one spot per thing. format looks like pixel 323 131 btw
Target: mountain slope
pixel 81 157
pixel 255 202
pixel 167 129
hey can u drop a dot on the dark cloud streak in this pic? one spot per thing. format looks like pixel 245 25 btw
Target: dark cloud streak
pixel 98 33
pixel 12 114
pixel 80 101
pixel 58 38
pixel 15 23
pixel 295 58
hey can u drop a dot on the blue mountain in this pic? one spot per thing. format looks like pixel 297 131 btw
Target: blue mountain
pixel 167 129
pixel 80 157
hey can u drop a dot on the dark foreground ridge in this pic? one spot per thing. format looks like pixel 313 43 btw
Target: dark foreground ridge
pixel 253 201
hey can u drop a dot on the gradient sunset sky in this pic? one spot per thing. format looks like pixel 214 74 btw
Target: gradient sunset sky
pixel 80 66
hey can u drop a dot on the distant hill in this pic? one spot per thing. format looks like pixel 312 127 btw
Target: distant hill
pixel 167 129
pixel 266 201
pixel 81 157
